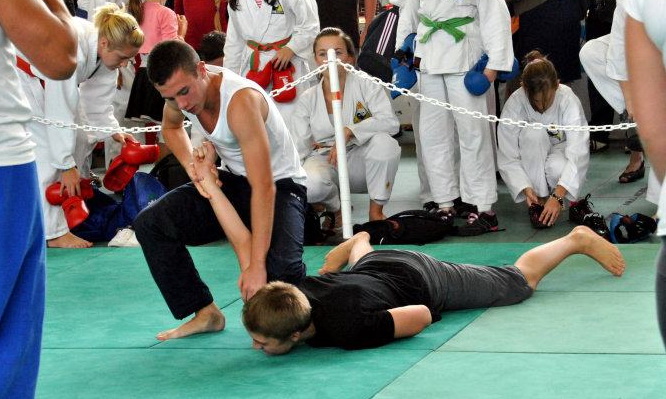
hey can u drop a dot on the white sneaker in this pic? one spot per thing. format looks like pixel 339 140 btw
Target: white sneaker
pixel 124 238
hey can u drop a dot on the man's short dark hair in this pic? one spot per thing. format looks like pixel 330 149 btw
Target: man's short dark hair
pixel 212 45
pixel 169 56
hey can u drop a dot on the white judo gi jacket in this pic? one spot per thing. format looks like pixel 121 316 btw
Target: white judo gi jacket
pixel 297 19
pixel 372 154
pixel 538 158
pixel 85 98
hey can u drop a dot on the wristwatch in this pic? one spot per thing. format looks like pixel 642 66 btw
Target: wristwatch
pixel 559 199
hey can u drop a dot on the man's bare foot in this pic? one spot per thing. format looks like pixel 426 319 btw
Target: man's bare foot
pixel 336 259
pixel 597 248
pixel 208 319
pixel 68 240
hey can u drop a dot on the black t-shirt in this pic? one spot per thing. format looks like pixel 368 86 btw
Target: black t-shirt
pixel 350 308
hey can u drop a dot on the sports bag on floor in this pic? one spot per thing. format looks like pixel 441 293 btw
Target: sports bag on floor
pixel 408 227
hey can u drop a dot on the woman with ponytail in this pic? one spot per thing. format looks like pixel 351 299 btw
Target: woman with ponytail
pixel 63 154
pixel 543 166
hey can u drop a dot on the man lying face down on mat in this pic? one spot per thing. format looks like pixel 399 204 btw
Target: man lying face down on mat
pixel 388 294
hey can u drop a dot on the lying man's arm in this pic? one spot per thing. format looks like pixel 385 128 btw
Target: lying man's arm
pixel 238 235
pixel 410 320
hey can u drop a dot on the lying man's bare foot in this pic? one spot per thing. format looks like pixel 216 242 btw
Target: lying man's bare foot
pixel 68 240
pixel 208 319
pixel 336 259
pixel 597 248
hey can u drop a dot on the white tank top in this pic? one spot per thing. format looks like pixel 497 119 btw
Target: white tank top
pixel 16 148
pixel 285 162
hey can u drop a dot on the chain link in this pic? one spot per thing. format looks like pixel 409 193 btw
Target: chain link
pixel 390 86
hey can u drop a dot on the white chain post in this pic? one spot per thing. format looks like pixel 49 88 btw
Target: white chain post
pixel 340 145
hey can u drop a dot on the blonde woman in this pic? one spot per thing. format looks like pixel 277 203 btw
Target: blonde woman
pixel 63 154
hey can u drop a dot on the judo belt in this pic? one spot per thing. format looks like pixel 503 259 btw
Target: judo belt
pixel 257 47
pixel 450 26
pixel 25 67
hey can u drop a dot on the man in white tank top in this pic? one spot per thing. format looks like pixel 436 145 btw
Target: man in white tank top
pixel 48 41
pixel 263 180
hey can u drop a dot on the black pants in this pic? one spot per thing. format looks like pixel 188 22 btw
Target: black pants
pixel 183 217
pixel 661 289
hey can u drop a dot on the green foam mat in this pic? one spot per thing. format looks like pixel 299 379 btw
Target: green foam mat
pixel 566 322
pixel 217 373
pixel 543 376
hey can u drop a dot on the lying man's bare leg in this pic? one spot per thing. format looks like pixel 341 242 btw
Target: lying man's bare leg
pixel 538 262
pixel 347 252
pixel 207 319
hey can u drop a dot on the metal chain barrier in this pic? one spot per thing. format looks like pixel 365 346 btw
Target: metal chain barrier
pixel 390 86
pixel 157 128
pixel 107 129
pixel 490 118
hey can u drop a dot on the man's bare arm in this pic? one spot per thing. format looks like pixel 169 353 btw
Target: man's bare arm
pixel 247 114
pixel 647 86
pixel 410 320
pixel 175 136
pixel 41 30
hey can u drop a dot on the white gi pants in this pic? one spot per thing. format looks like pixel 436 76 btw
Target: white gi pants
pixel 372 168
pixel 593 59
pixel 543 163
pixel 471 175
pixel 424 189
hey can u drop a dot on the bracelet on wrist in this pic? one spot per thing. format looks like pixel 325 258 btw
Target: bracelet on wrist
pixel 558 199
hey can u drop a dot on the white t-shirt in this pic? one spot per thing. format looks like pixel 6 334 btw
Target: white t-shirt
pixel 652 13
pixel 16 148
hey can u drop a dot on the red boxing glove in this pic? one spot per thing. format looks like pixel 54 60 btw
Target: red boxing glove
pixel 76 211
pixel 119 174
pixel 135 153
pixel 54 197
pixel 263 77
pixel 280 80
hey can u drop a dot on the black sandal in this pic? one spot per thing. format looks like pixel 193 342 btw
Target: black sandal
pixel 630 177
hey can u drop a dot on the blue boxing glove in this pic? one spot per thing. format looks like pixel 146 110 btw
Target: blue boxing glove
pixel 513 73
pixel 402 64
pixel 406 52
pixel 475 81
pixel 404 76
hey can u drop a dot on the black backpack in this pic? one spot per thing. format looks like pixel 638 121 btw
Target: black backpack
pixel 379 45
pixel 408 227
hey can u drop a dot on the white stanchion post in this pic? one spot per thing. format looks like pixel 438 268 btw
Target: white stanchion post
pixel 340 145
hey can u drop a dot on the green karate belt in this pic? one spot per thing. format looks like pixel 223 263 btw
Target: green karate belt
pixel 450 26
